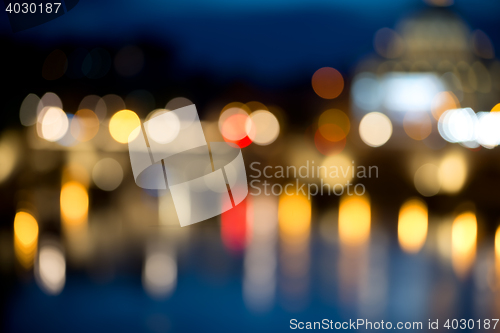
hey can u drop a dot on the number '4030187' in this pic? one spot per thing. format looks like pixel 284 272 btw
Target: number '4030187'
pixel 33 8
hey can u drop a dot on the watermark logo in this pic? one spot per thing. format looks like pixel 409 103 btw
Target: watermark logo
pixel 336 176
pixel 170 151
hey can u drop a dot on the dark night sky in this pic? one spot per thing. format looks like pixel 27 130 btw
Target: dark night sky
pixel 271 42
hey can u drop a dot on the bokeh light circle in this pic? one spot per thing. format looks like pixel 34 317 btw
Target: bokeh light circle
pixel 122 124
pixel 327 82
pixel 164 128
pixel 107 174
pixel 74 201
pixel 51 269
pixel 28 110
pixel 231 111
pixel 263 127
pixel 339 161
pixel 84 125
pixel 177 103
pixel 53 123
pixel 496 108
pixel 426 180
pixel 327 147
pixel 417 125
pixel 445 100
pixel 375 129
pixel 334 117
pixel 236 130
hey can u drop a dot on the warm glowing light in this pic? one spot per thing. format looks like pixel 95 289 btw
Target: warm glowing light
pixel 238 129
pixel 375 129
pixel 443 238
pixel 230 110
pixel 294 222
pixel 497 243
pixel 412 225
pixel 25 228
pixel 426 180
pixel 335 120
pixel 445 100
pixel 164 128
pixel 327 82
pixel 354 220
pixel 332 132
pixel 51 269
pixel 265 125
pixel 52 123
pixel 84 125
pixel 74 203
pixel 497 253
pixel 107 174
pixel 417 125
pixel 25 238
pixel 326 146
pixel 463 242
pixel 234 127
pixel 452 172
pixel 331 170
pixel 9 154
pixel 294 216
pixel 122 124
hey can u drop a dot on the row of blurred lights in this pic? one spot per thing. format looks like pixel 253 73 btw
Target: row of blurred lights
pixel 241 125
pixel 258 221
pixel 238 123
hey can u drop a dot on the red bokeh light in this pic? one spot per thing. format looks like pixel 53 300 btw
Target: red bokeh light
pixel 234 226
pixel 235 129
